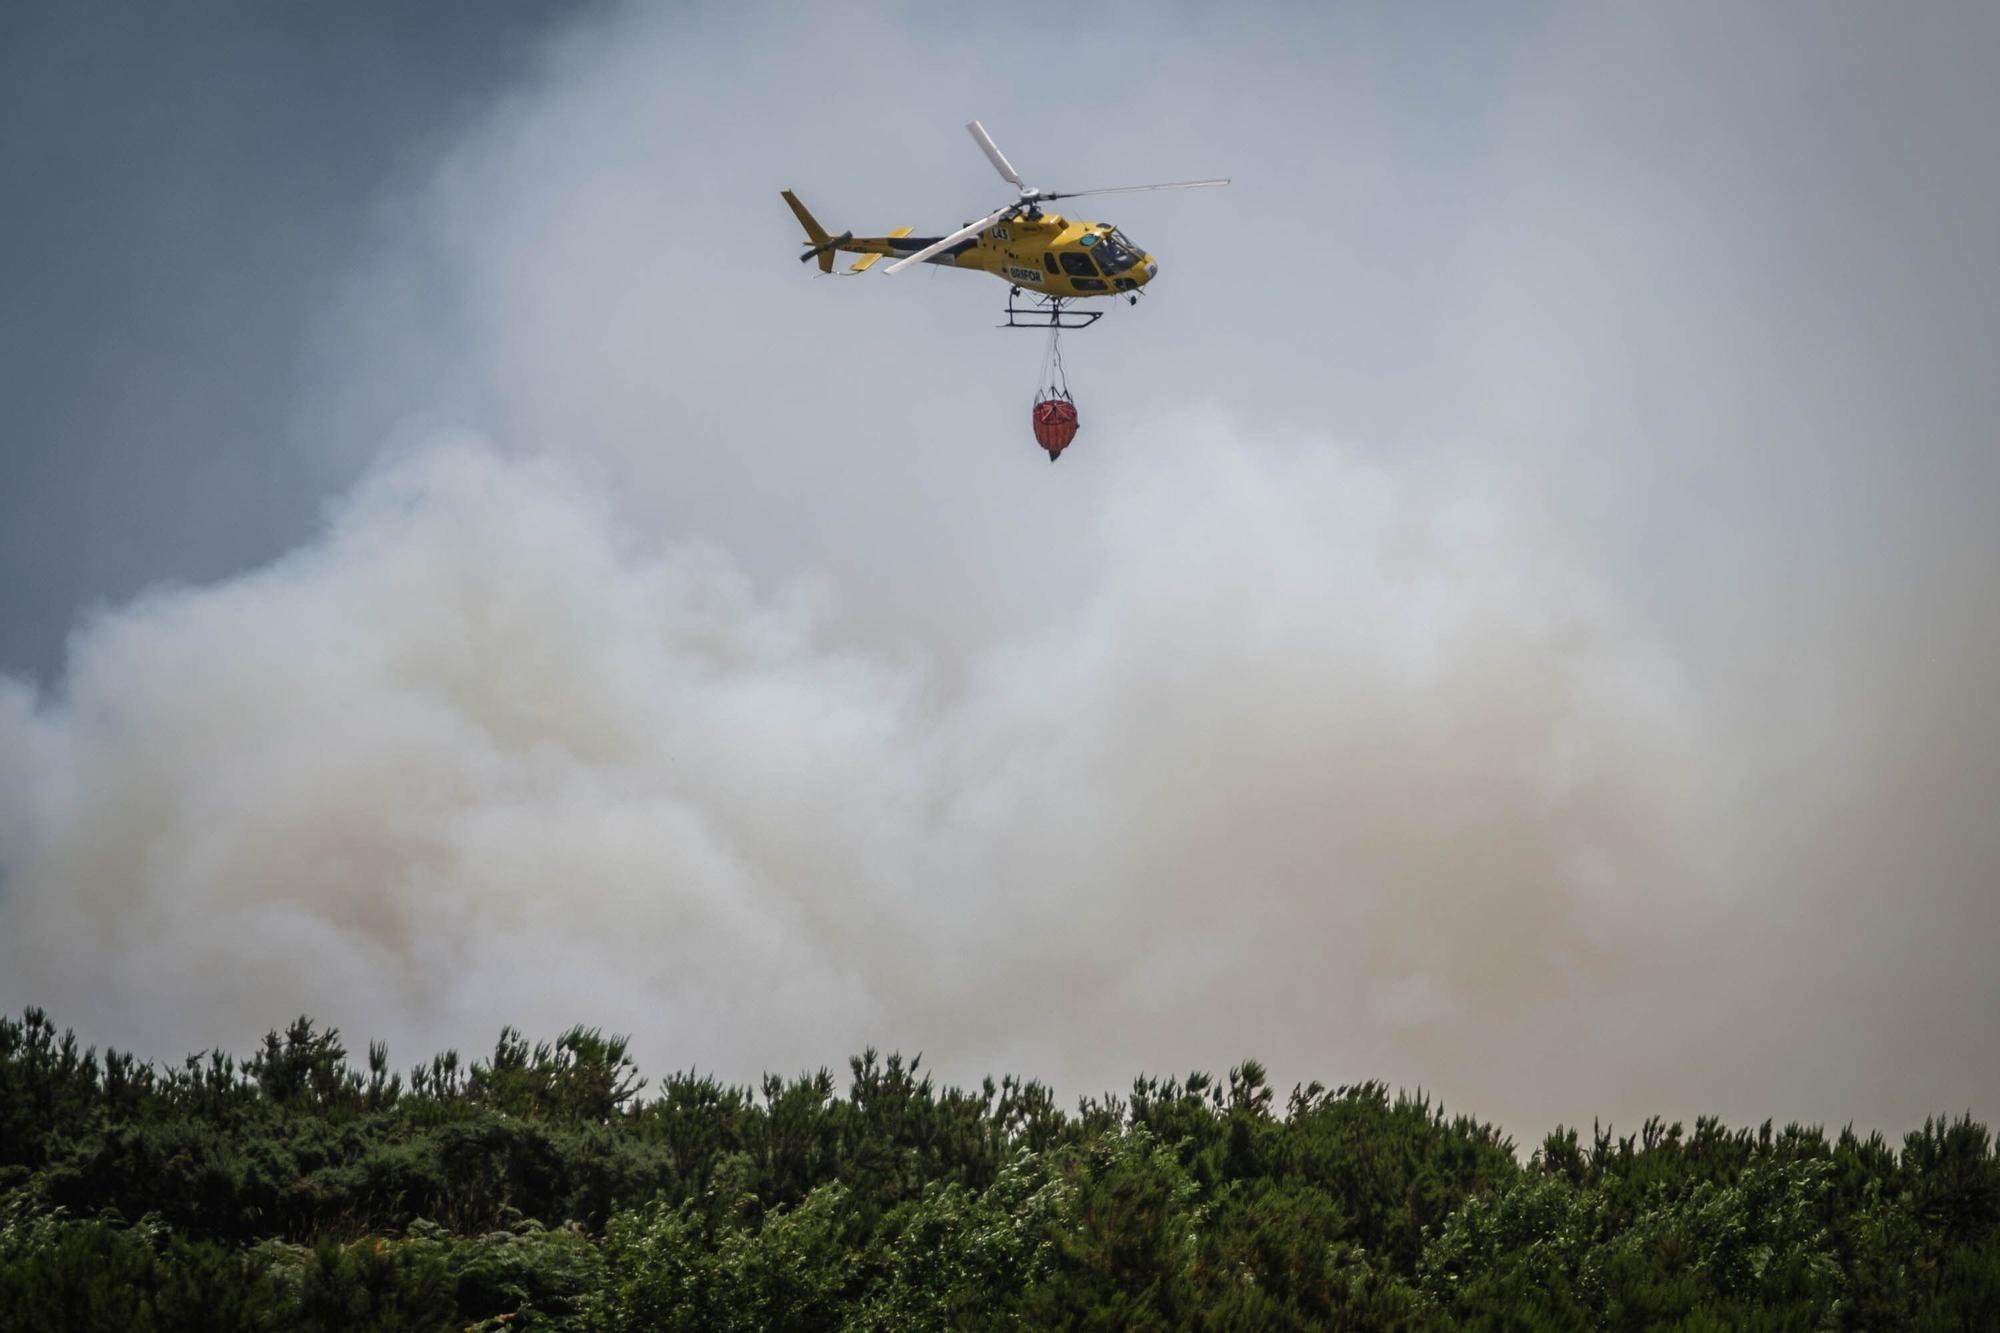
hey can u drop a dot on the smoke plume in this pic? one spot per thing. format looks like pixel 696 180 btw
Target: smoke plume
pixel 1334 763
pixel 1515 619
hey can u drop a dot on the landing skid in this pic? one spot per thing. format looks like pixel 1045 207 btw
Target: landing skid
pixel 1048 312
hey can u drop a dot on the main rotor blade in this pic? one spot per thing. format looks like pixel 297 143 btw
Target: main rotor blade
pixel 995 156
pixel 946 242
pixel 1128 189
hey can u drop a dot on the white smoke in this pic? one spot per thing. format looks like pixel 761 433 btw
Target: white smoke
pixel 1336 761
pixel 747 683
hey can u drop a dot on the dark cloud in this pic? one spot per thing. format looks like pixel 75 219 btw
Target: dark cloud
pixel 184 185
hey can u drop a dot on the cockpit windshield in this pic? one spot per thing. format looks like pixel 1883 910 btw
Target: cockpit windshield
pixel 1115 253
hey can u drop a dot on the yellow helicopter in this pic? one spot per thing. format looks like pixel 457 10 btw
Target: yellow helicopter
pixel 1060 259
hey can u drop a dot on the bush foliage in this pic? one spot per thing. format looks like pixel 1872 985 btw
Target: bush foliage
pixel 543 1188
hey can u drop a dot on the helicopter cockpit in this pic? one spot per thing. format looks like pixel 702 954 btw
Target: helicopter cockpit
pixel 1112 249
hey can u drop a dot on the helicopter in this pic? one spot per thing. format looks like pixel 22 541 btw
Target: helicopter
pixel 1059 259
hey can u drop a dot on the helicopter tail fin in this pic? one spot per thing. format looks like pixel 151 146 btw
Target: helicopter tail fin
pixel 822 244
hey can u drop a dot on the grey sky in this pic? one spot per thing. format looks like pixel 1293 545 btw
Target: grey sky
pixel 1514 620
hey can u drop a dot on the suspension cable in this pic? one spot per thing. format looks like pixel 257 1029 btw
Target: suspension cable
pixel 1054 375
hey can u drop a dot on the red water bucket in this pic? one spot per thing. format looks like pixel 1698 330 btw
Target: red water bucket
pixel 1055 424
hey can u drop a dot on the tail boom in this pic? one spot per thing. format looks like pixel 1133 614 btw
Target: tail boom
pixel 822 246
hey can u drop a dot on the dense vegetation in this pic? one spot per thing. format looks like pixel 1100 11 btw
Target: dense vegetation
pixel 541 1188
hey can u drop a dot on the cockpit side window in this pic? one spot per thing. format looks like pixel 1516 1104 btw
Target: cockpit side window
pixel 1077 264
